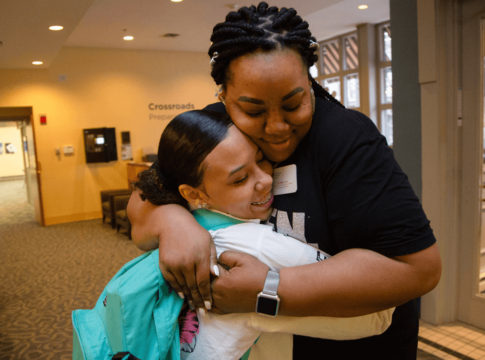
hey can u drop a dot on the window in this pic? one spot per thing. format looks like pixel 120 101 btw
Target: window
pixel 339 69
pixel 384 74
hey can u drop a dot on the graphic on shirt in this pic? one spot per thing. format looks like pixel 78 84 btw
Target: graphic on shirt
pixel 281 224
pixel 189 328
pixel 321 257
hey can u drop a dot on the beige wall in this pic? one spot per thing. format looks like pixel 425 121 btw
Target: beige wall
pixel 103 88
pixel 11 164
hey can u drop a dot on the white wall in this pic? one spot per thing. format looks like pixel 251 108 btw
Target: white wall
pixel 11 164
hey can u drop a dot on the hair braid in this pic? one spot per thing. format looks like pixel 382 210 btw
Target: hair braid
pixel 262 28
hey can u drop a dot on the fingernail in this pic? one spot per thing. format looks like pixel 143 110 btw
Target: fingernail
pixel 181 294
pixel 216 270
pixel 202 312
pixel 207 305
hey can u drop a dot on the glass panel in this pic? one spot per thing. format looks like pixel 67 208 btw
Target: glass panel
pixel 386 125
pixel 332 86
pixel 351 88
pixel 351 53
pixel 331 57
pixel 386 53
pixel 313 71
pixel 386 85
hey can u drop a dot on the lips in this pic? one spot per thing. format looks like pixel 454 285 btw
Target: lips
pixel 279 145
pixel 264 202
pixel 277 141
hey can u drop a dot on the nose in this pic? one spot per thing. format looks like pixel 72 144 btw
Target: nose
pixel 265 180
pixel 275 123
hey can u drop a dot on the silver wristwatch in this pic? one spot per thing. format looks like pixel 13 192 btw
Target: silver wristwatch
pixel 268 301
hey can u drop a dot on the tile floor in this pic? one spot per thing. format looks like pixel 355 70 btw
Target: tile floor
pixel 451 341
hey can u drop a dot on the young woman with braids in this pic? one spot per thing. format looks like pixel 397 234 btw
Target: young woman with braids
pixel 214 169
pixel 351 197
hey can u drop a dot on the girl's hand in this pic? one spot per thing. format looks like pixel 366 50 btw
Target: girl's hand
pixel 241 280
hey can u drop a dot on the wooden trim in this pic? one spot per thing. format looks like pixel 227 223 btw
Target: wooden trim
pixel 8 113
pixel 53 220
pixel 39 169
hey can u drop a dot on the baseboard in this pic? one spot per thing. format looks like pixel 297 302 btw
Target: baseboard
pixel 9 178
pixel 53 220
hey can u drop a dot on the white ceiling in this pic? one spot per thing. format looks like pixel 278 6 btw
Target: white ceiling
pixel 101 23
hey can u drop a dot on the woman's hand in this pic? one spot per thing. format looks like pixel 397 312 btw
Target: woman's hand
pixel 241 279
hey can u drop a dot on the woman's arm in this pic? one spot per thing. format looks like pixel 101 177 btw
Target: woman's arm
pixel 354 282
pixel 187 252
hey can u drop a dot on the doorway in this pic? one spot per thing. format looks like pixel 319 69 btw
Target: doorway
pixel 471 304
pixel 18 151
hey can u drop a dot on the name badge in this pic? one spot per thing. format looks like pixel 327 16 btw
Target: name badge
pixel 284 180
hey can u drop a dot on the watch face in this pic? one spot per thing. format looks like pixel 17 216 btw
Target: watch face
pixel 267 306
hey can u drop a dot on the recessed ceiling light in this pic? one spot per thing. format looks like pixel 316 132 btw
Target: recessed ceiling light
pixel 56 27
pixel 176 0
pixel 128 38
pixel 37 62
pixel 362 7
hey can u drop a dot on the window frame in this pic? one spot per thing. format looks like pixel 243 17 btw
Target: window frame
pixel 342 73
pixel 380 66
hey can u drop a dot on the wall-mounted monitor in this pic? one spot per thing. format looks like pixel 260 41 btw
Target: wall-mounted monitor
pixel 100 145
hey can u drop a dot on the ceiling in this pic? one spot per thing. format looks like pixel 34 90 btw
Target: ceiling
pixel 25 37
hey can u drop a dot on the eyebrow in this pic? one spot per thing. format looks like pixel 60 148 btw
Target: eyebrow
pixel 250 100
pixel 261 102
pixel 297 90
pixel 236 170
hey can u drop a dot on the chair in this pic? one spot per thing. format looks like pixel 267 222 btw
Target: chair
pixel 121 218
pixel 107 203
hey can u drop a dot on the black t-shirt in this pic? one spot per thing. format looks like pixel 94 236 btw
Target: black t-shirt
pixel 352 194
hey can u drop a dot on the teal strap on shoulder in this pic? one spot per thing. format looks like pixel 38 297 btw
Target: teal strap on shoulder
pixel 214 221
pixel 246 355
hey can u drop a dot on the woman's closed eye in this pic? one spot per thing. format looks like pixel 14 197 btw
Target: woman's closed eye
pixel 287 109
pixel 254 114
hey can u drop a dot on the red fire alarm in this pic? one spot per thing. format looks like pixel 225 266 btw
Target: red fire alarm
pixel 43 119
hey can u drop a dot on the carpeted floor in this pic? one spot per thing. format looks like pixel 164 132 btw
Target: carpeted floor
pixel 48 272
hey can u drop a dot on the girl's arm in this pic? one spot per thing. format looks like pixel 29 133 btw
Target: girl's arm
pixel 187 253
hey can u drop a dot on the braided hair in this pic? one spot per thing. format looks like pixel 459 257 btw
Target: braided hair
pixel 262 28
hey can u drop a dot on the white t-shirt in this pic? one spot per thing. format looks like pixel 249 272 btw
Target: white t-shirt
pixel 230 336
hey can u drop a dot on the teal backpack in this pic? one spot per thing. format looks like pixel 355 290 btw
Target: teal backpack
pixel 136 316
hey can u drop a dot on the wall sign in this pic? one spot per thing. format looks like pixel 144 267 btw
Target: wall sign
pixel 156 108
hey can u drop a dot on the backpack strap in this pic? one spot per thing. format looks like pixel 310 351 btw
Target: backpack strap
pixel 210 220
pixel 165 315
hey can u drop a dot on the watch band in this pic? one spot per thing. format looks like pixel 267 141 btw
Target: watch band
pixel 271 283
